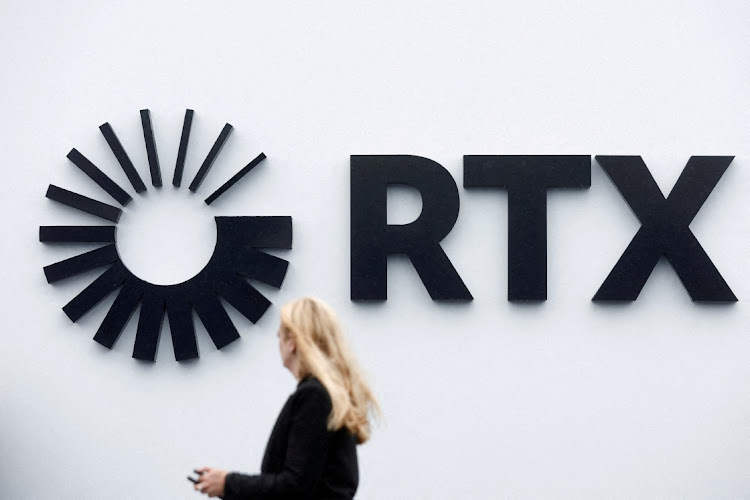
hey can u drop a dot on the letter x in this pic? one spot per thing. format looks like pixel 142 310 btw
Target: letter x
pixel 664 228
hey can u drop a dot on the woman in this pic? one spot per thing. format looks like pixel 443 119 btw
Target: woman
pixel 312 449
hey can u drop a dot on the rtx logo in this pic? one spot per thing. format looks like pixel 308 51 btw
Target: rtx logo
pixel 664 230
pixel 237 256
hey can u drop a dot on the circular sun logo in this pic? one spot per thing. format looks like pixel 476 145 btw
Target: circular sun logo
pixel 237 256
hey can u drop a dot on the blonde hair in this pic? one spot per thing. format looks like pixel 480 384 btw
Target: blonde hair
pixel 324 353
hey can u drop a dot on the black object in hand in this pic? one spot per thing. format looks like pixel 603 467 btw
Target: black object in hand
pixel 193 479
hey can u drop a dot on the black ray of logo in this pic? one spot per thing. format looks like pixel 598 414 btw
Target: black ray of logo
pixel 237 256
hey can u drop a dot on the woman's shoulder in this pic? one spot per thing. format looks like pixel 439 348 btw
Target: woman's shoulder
pixel 312 385
pixel 310 388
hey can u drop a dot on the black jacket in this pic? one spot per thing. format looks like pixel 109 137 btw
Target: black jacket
pixel 303 459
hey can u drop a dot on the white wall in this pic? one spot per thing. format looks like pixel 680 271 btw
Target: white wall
pixel 563 399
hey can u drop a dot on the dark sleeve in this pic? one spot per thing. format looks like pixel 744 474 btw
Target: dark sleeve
pixel 307 447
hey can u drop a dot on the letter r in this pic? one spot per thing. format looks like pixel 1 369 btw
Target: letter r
pixel 373 239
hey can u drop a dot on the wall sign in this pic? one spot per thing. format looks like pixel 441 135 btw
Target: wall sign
pixel 237 255
pixel 664 231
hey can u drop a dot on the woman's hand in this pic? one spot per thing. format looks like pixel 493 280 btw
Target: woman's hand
pixel 211 481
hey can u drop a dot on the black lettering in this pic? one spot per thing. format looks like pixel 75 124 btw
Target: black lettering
pixel 373 239
pixel 527 179
pixel 664 228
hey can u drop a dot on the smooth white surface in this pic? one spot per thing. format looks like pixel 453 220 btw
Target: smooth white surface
pixel 563 399
pixel 166 236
